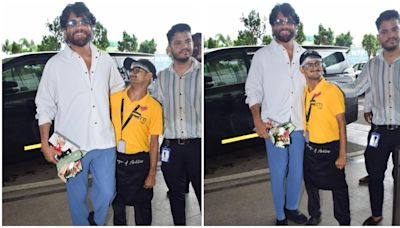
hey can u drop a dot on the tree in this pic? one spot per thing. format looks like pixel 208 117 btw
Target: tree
pixel 344 39
pixel 370 44
pixel 53 41
pixel 148 46
pixel 324 36
pixel 300 36
pixel 210 43
pixel 266 39
pixel 16 47
pixel 6 47
pixel 27 46
pixel 100 38
pixel 223 41
pixel 128 43
pixel 245 38
pixel 254 29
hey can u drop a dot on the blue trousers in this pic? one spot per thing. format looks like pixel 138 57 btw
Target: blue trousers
pixel 286 170
pixel 101 164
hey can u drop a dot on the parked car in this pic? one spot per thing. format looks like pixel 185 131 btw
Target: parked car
pixel 21 76
pixel 358 68
pixel 227 117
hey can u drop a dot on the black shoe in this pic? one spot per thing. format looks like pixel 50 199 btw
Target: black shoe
pixel 281 222
pixel 371 222
pixel 313 221
pixel 295 216
pixel 363 181
pixel 91 219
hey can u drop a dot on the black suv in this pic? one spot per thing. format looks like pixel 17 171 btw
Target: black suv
pixel 227 117
pixel 21 76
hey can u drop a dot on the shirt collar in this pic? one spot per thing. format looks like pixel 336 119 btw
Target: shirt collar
pixel 195 65
pixel 317 88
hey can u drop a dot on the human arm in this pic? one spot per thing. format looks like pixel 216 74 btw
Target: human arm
pixel 341 160
pixel 151 177
pixel 368 106
pixel 116 81
pixel 261 126
pixel 48 151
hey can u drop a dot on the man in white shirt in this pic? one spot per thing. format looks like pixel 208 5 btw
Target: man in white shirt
pixel 74 92
pixel 274 90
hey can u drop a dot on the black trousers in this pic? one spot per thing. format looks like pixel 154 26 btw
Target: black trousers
pixel 184 165
pixel 376 164
pixel 132 171
pixel 320 172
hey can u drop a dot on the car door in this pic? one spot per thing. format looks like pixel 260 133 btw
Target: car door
pixel 226 114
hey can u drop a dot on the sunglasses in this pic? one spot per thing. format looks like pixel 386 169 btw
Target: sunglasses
pixel 75 22
pixel 288 21
pixel 312 65
pixel 136 70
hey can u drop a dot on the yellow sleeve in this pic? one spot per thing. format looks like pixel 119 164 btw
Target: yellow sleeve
pixel 156 123
pixel 336 101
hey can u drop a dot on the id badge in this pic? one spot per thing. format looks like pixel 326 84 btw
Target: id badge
pixel 306 136
pixel 121 146
pixel 374 140
pixel 165 152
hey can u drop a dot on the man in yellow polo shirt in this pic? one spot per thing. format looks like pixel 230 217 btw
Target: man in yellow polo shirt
pixel 325 133
pixel 137 119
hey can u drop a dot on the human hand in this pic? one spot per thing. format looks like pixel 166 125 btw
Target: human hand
pixel 150 181
pixel 49 153
pixel 262 127
pixel 340 162
pixel 368 117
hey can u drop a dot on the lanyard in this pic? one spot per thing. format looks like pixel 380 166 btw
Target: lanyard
pixel 312 102
pixel 130 116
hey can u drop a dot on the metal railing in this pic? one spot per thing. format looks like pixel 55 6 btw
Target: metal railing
pixel 396 189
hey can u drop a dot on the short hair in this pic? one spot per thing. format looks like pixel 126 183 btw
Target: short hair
pixel 78 8
pixel 287 10
pixel 177 28
pixel 386 15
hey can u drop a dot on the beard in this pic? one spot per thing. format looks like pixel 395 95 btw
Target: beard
pixel 283 38
pixel 183 59
pixel 80 42
pixel 388 47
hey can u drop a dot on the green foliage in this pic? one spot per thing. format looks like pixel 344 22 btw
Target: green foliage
pixel 49 43
pixel 300 36
pixel 254 29
pixel 148 46
pixel 223 41
pixel 245 38
pixel 370 44
pixel 100 38
pixel 128 43
pixel 344 39
pixel 210 43
pixel 266 39
pixel 22 46
pixel 324 37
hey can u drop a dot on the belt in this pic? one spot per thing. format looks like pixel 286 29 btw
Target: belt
pixel 389 127
pixel 181 141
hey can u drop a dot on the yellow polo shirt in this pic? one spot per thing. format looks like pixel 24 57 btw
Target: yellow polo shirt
pixel 146 121
pixel 329 102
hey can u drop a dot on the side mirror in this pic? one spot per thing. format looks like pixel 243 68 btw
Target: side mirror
pixel 208 82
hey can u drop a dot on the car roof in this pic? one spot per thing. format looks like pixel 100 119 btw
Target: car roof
pixel 51 53
pixel 256 47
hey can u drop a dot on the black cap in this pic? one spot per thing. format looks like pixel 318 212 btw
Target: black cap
pixel 145 64
pixel 309 54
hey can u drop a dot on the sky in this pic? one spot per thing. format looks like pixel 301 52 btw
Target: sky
pixel 149 19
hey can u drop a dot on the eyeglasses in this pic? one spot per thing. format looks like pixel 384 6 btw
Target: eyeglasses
pixel 136 70
pixel 312 65
pixel 75 22
pixel 288 21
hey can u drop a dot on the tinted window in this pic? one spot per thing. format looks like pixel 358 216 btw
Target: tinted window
pixel 22 78
pixel 226 70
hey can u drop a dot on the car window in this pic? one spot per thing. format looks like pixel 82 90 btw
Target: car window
pixel 226 70
pixel 22 78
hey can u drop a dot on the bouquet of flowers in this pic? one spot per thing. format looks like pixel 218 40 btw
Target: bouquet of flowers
pixel 68 156
pixel 280 134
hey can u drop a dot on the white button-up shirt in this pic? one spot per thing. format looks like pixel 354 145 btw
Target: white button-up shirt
pixel 277 84
pixel 78 98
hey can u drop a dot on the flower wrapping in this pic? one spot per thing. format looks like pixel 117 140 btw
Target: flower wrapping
pixel 280 134
pixel 70 165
